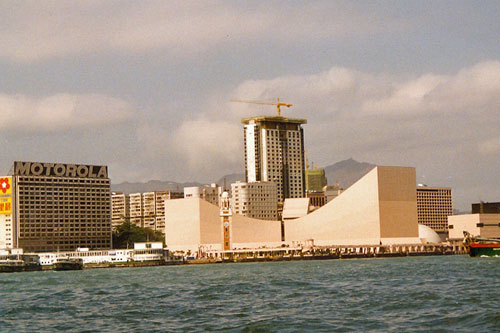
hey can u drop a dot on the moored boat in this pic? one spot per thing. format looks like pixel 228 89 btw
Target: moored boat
pixel 11 265
pixel 68 264
pixel 482 247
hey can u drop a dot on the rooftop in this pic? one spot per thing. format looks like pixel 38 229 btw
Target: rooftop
pixel 274 119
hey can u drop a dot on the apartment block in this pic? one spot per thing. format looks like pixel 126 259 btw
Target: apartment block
pixel 120 208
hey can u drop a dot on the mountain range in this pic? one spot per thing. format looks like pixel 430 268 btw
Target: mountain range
pixel 344 173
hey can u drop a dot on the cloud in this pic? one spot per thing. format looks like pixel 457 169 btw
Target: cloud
pixel 437 123
pixel 196 148
pixel 61 112
pixel 33 31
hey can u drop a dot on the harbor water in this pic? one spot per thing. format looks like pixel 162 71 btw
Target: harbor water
pixel 421 294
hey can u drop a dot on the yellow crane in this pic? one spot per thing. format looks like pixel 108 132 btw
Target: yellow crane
pixel 278 104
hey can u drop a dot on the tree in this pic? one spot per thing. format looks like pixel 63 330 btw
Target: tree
pixel 126 234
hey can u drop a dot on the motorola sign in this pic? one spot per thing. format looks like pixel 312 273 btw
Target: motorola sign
pixel 60 170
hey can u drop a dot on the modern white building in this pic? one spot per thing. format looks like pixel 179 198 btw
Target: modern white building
pixel 258 200
pixel 274 152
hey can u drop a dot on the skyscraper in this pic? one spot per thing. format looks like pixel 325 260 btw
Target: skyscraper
pixel 274 152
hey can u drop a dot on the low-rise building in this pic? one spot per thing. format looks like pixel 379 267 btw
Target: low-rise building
pixel 481 225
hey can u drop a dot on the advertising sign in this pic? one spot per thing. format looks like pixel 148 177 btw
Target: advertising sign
pixel 60 170
pixel 5 205
pixel 5 195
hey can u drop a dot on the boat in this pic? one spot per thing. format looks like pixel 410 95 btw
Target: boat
pixel 481 247
pixel 68 264
pixel 11 265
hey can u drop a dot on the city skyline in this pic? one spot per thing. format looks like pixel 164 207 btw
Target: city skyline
pixel 145 87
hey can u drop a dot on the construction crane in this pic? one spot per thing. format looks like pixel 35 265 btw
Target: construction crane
pixel 278 104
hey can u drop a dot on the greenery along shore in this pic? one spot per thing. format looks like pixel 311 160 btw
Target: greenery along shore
pixel 127 233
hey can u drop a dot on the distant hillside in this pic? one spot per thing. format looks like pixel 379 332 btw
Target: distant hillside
pixel 345 173
pixel 152 185
pixel 232 178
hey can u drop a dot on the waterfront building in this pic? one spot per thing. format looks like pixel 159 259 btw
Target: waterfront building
pixel 274 152
pixel 193 223
pixel 434 205
pixel 481 225
pixel 55 206
pixel 120 208
pixel 380 208
pixel 143 251
pixel 8 238
pixel 486 208
pixel 210 193
pixel 256 200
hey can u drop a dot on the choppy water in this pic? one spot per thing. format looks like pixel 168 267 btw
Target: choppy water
pixel 452 293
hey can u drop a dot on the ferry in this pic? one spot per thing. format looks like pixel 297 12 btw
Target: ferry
pixel 481 247
pixel 68 264
pixel 11 265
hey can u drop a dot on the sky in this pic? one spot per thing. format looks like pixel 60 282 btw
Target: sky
pixel 145 87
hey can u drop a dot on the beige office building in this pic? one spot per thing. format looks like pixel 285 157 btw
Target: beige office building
pixel 257 200
pixel 274 152
pixel 57 206
pixel 434 205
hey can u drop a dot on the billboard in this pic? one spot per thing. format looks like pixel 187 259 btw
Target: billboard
pixel 5 195
pixel 60 170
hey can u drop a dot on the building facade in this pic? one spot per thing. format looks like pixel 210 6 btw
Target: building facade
pixel 120 208
pixel 257 200
pixel 147 209
pixel 58 206
pixel 315 180
pixel 274 152
pixel 486 208
pixel 211 193
pixel 434 205
pixel 478 225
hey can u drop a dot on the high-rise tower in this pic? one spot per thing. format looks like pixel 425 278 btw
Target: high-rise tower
pixel 274 152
